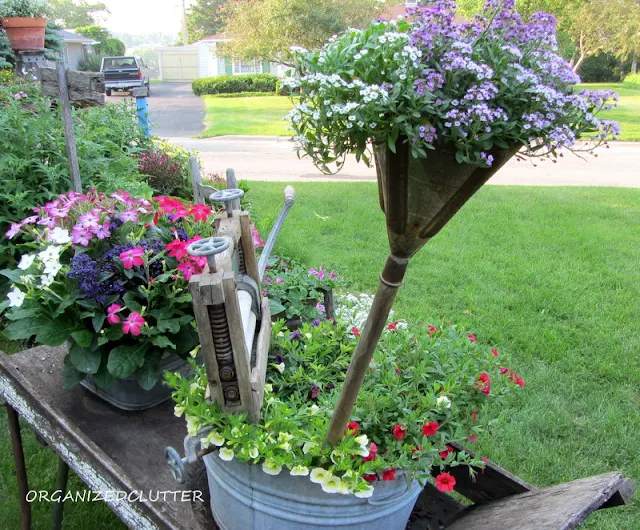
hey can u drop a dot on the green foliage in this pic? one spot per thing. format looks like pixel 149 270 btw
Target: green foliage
pixel 632 81
pixel 228 84
pixel 53 43
pixel 603 68
pixel 205 19
pixel 266 29
pixel 7 76
pixel 91 63
pixel 76 13
pixel 108 46
pixel 295 291
pixel 243 95
pixel 23 8
pixel 7 57
pixel 167 168
pixel 33 161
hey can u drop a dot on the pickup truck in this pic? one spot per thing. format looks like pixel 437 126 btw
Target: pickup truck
pixel 124 74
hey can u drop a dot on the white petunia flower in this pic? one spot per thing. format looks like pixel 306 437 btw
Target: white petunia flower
pixel 362 440
pixel 51 254
pixel 216 439
pixel 299 471
pixel 279 367
pixel 52 268
pixel 226 454
pixel 193 388
pixel 26 261
pixel 193 426
pixel 271 468
pixel 16 297
pixel 178 411
pixel 331 484
pixel 268 388
pixel 46 280
pixel 314 409
pixel 364 493
pixel 308 446
pixel 59 236
pixel 253 452
pixel 285 436
pixel 444 402
pixel 318 475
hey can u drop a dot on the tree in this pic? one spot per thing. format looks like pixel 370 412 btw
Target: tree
pixel 205 18
pixel 108 45
pixel 76 13
pixel 266 29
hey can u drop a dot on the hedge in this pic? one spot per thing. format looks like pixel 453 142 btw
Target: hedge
pixel 230 84
pixel 243 95
pixel 632 81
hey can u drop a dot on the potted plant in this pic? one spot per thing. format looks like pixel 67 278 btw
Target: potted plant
pixel 297 293
pixel 108 275
pixel 426 388
pixel 24 22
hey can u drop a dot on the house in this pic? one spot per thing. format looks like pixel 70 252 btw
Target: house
pixel 76 47
pixel 204 59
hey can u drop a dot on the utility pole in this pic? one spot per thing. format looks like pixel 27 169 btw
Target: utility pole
pixel 185 33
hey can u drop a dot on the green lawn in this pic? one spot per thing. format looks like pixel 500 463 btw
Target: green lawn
pixel 550 275
pixel 252 115
pixel 627 112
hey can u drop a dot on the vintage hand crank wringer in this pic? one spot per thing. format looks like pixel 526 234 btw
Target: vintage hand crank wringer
pixel 234 320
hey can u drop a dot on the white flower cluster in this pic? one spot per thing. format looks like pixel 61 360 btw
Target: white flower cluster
pixel 374 92
pixel 393 36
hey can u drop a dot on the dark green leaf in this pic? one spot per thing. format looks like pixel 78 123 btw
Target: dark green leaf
pixel 147 375
pixel 98 321
pixel 276 307
pixel 84 359
pixel 103 378
pixel 131 302
pixel 161 341
pixel 124 360
pixel 185 340
pixel 83 338
pixel 70 375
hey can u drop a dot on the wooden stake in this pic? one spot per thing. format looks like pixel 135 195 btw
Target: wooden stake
pixel 70 139
pixel 390 282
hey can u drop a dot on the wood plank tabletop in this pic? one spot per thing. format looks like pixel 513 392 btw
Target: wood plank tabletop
pixel 111 450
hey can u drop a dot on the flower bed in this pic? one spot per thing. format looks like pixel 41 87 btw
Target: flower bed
pixel 109 274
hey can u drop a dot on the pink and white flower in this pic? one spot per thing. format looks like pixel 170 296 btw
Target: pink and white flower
pixel 132 258
pixel 133 324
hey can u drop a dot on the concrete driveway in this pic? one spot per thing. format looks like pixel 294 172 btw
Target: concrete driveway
pixel 173 110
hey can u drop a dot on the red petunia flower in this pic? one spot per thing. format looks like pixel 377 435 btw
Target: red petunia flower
pixel 486 390
pixel 389 474
pixel 373 453
pixel 353 426
pixel 495 352
pixel 484 378
pixel 429 429
pixel 445 453
pixel 177 249
pixel 519 381
pixel 370 477
pixel 504 370
pixel 472 337
pixel 399 432
pixel 474 415
pixel 355 331
pixel 200 212
pixel 392 326
pixel 472 438
pixel 445 482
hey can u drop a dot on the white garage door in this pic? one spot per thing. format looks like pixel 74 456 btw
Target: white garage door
pixel 179 63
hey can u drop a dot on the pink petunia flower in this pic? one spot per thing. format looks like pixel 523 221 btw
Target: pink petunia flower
pixel 103 232
pixel 132 258
pixel 128 215
pixel 200 212
pixel 14 230
pixel 81 237
pixel 112 314
pixel 188 269
pixel 255 235
pixel 133 324
pixel 279 280
pixel 177 249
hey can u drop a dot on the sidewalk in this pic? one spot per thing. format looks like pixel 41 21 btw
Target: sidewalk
pixel 272 158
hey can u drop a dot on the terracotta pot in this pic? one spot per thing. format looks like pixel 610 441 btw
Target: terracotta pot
pixel 25 33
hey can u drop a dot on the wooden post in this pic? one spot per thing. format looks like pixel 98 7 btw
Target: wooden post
pixel 70 139
pixel 196 180
pixel 390 282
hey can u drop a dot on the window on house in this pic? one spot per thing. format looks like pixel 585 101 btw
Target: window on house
pixel 246 67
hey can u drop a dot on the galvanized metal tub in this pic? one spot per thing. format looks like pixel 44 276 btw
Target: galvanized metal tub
pixel 127 394
pixel 243 497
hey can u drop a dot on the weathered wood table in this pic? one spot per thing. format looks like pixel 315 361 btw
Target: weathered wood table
pixel 116 451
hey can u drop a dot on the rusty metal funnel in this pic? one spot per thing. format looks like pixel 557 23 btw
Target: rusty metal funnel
pixel 418 197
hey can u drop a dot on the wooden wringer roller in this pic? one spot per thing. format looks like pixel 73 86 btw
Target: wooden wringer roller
pixel 234 320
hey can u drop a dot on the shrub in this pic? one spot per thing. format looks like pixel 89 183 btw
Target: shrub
pixel 243 95
pixel 91 63
pixel 33 161
pixel 229 84
pixel 632 81
pixel 604 68
pixel 7 76
pixel 167 167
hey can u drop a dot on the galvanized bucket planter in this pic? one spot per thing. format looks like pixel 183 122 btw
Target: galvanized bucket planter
pixel 243 497
pixel 127 394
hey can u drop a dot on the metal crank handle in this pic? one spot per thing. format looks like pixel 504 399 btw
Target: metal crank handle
pixel 289 200
pixel 177 464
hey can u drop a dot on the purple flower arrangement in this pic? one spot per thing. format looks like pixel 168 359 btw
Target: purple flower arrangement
pixel 109 275
pixel 436 81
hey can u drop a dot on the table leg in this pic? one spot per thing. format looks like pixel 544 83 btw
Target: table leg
pixel 61 485
pixel 21 470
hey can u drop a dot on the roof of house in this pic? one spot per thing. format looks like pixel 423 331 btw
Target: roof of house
pixel 218 37
pixel 69 36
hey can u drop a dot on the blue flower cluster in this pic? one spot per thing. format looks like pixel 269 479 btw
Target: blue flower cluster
pixel 97 279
